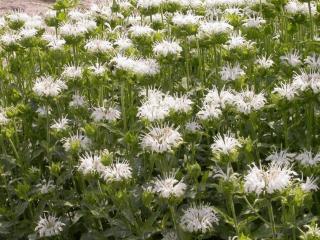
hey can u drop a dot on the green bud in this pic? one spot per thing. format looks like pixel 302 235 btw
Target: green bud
pixel 194 170
pixel 55 169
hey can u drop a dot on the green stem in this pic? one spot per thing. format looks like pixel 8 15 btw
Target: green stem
pixel 173 215
pixel 15 151
pixel 310 118
pixel 256 212
pixel 285 128
pixel 233 212
pixel 48 132
pixel 293 209
pixel 311 20
pixel 123 105
pixel 271 217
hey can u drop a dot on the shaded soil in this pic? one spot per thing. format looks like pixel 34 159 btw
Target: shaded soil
pixel 31 6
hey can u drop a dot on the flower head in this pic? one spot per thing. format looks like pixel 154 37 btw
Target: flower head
pixel 47 86
pixel 166 48
pixel 307 158
pixel 275 178
pixel 197 219
pixel 247 101
pixel 225 144
pixel 310 184
pixel 60 124
pixel 49 225
pixel 117 172
pixel 161 139
pixel 231 73
pixel 168 186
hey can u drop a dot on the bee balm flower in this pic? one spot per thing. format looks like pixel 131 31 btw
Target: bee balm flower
pixel 161 139
pixel 198 219
pixel 49 226
pixel 168 186
pixel 46 86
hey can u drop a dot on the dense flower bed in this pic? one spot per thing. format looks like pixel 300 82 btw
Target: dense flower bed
pixel 161 119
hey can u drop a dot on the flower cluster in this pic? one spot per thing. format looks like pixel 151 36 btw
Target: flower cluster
pixel 161 119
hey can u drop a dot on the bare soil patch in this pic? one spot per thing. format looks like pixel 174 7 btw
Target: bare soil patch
pixel 31 6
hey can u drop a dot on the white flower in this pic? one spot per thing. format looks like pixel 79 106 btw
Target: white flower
pixel 237 41
pixel 72 71
pixel 170 235
pixel 146 4
pixel 97 69
pixel 3 117
pixel 197 219
pixel 98 46
pixel 310 184
pixel 34 22
pixel 182 20
pixel 168 186
pixel 307 158
pixel 123 43
pixel 101 10
pixel 161 139
pixel 313 61
pixel 77 15
pixel 46 186
pixel 228 176
pixel 225 144
pixel 254 180
pixel 56 43
pixel 292 58
pixel 157 105
pixel 178 104
pixel 281 157
pixel 192 4
pixel 77 140
pixel 43 111
pixel 209 29
pixel 60 124
pixel 49 225
pixel 219 3
pixel 109 114
pixel 46 86
pixel 222 98
pixel 72 30
pixel 87 24
pixel 247 101
pixel 137 66
pixel 296 7
pixel 230 10
pixel 167 47
pixel 193 126
pixel 253 22
pixel 27 32
pixel 313 232
pixel 231 73
pixel 50 14
pixel 18 16
pixel 306 80
pixel 77 101
pixel 146 67
pixel 140 31
pixel 10 38
pixel 118 171
pixel 210 110
pixel 154 106
pixel 90 163
pixel 288 91
pixel 2 22
pixel 275 178
pixel 264 62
